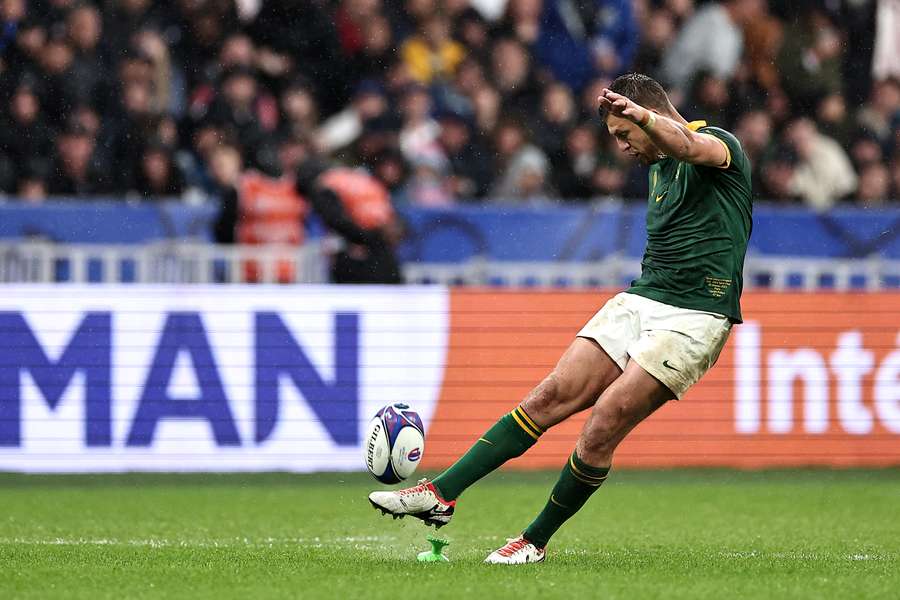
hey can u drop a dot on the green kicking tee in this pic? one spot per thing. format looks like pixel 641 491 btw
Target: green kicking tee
pixel 698 223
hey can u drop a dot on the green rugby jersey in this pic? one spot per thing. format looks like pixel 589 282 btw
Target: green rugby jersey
pixel 698 224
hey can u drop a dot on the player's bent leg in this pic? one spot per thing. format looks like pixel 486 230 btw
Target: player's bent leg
pixel 582 373
pixel 631 399
pixel 579 378
pixel 577 381
pixel 628 401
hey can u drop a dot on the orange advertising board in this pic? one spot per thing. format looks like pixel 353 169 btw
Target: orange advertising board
pixel 808 379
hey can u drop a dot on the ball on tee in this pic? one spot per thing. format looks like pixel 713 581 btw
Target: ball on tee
pixel 394 443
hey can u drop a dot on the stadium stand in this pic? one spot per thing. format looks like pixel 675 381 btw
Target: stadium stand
pixel 128 97
pixel 478 117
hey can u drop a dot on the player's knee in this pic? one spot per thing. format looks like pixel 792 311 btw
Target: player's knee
pixel 604 431
pixel 544 400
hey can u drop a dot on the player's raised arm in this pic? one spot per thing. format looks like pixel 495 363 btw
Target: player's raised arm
pixel 671 137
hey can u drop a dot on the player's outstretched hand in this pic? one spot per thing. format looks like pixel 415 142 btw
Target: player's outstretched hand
pixel 620 106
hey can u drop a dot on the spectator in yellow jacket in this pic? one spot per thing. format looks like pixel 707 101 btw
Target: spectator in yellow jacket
pixel 432 53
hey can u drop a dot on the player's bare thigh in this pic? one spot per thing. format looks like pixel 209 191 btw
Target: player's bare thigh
pixel 580 376
pixel 627 401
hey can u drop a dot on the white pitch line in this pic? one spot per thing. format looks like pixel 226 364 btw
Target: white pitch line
pixel 167 543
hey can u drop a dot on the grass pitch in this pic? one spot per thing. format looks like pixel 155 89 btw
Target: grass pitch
pixel 679 534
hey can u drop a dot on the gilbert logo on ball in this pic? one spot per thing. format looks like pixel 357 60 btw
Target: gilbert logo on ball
pixel 395 441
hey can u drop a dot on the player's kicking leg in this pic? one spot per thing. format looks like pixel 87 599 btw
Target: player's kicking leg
pixel 581 375
pixel 624 404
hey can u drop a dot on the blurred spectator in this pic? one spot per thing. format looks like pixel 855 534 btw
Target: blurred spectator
pixel 158 176
pixel 225 167
pixel 377 49
pixel 126 134
pixel 195 163
pixel 428 183
pixel 419 131
pixel 523 166
pixel 709 99
pixel 558 115
pixel 580 40
pixel 57 83
pixel 834 118
pixel 874 185
pixel 712 40
pixel 609 179
pixel 810 58
pixel 247 113
pixel 470 77
pixel 32 188
pixel 658 33
pixel 471 162
pixel 881 113
pixel 512 70
pixel 473 32
pixel 574 167
pixel 357 207
pixel 293 150
pixel 126 17
pixel 340 130
pixel 432 53
pixel 22 42
pixel 754 130
pixel 89 70
pixel 588 99
pixel 12 13
pixel 866 150
pixel 886 59
pixel 392 171
pixel 75 171
pixel 299 112
pixel 824 173
pixel 350 20
pixel 379 134
pixel 522 20
pixel 777 174
pixel 310 44
pixel 25 139
pixel 763 36
pixel 164 78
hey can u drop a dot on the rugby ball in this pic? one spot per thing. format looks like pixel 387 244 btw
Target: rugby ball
pixel 394 443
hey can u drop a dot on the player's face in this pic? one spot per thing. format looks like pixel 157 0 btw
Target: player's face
pixel 632 140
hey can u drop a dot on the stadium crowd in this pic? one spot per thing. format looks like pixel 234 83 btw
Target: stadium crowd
pixel 445 101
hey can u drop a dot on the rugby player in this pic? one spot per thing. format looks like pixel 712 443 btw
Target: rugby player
pixel 648 344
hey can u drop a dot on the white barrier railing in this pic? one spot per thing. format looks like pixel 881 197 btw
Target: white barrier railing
pixel 193 262
pixel 775 273
pixel 164 262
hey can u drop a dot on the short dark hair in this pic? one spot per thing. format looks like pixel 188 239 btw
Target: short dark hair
pixel 642 89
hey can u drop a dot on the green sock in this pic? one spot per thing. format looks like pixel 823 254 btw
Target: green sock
pixel 576 483
pixel 510 437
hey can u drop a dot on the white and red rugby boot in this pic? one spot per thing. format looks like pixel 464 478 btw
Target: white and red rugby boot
pixel 422 502
pixel 517 551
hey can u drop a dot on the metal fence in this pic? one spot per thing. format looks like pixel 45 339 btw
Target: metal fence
pixel 164 262
pixel 775 273
pixel 194 262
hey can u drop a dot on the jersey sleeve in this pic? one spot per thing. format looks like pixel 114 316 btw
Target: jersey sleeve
pixel 732 145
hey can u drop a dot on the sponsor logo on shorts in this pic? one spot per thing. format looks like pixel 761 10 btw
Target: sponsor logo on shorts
pixel 668 366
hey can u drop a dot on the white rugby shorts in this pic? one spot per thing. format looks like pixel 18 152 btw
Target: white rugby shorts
pixel 675 345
